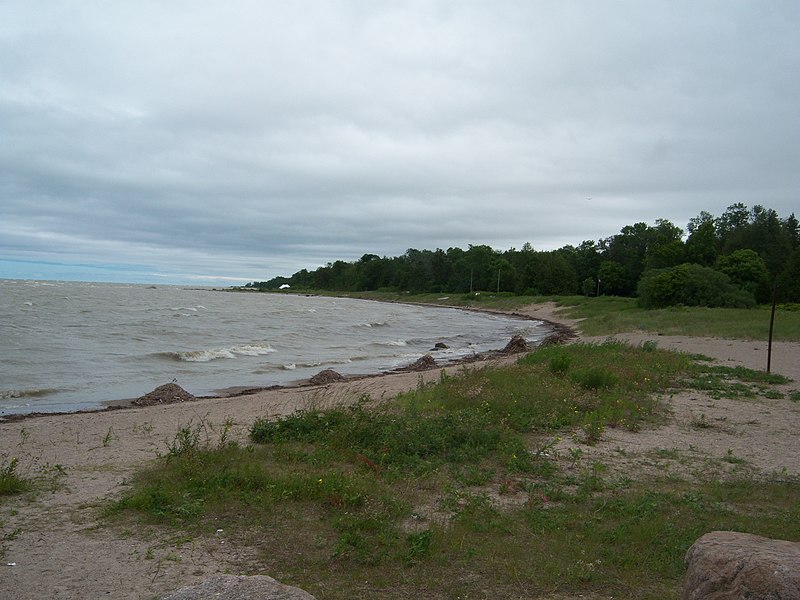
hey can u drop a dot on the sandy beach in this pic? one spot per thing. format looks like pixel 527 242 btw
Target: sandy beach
pixel 53 546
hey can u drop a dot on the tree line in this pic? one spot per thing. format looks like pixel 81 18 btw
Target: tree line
pixel 735 259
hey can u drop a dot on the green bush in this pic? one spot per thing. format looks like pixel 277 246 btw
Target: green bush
pixel 595 378
pixel 560 364
pixel 690 285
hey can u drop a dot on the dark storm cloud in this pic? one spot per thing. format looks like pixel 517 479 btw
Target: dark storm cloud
pixel 251 139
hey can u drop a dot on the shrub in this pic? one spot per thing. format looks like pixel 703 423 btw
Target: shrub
pixel 560 364
pixel 595 378
pixel 690 285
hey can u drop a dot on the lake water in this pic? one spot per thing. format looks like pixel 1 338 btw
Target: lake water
pixel 74 346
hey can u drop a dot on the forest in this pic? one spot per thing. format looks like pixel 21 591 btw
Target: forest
pixel 738 259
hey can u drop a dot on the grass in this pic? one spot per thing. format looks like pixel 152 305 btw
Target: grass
pixel 457 484
pixel 608 315
pixel 11 482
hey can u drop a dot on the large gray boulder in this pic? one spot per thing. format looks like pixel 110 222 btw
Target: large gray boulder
pixel 233 587
pixel 726 565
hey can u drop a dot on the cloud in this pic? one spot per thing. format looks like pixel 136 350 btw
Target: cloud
pixel 253 139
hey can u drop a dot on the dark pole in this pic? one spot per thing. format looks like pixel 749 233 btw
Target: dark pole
pixel 772 323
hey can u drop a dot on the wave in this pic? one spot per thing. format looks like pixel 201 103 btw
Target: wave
pixel 218 353
pixel 189 308
pixel 35 393
pixel 373 324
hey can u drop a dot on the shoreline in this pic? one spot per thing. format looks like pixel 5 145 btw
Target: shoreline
pixel 560 330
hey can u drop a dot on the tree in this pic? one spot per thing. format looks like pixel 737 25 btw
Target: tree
pixel 789 279
pixel 690 285
pixel 702 244
pixel 612 278
pixel 747 270
pixel 555 275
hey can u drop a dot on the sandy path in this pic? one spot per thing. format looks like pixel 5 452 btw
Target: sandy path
pixel 53 546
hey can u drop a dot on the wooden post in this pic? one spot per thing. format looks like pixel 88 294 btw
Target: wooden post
pixel 772 323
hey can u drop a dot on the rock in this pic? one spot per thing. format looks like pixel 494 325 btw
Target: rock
pixel 440 346
pixel 325 377
pixel 422 364
pixel 164 394
pixel 232 587
pixel 516 345
pixel 726 565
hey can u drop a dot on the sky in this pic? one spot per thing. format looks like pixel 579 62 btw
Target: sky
pixel 197 141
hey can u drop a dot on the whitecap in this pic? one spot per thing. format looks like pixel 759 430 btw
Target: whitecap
pixel 204 355
pixel 290 367
pixel 218 353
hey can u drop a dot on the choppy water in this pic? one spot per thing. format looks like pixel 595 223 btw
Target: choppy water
pixel 72 346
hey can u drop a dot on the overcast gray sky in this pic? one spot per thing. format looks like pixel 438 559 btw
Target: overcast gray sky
pixel 191 140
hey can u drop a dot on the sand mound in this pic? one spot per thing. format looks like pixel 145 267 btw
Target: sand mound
pixel 422 364
pixel 516 345
pixel 325 377
pixel 164 394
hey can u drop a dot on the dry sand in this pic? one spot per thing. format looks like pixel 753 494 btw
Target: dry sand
pixel 53 546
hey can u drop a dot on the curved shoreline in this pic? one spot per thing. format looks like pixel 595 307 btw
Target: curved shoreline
pixel 560 332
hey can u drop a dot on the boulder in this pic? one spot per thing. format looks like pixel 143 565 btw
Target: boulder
pixel 516 345
pixel 726 565
pixel 440 346
pixel 168 393
pixel 325 377
pixel 232 587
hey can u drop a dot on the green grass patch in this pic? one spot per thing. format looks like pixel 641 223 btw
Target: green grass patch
pixel 734 382
pixel 11 482
pixel 608 315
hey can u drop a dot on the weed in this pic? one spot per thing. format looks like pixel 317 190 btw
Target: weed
pixel 575 455
pixel 186 441
pixel 795 396
pixel 649 345
pixel 108 437
pixel 419 545
pixel 24 435
pixel 10 480
pixel 701 422
pixel 593 426
pixel 733 459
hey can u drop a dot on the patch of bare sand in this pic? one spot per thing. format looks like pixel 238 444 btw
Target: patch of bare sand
pixel 55 547
pixel 704 437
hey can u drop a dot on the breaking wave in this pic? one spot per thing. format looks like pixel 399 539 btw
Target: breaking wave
pixel 35 393
pixel 218 353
